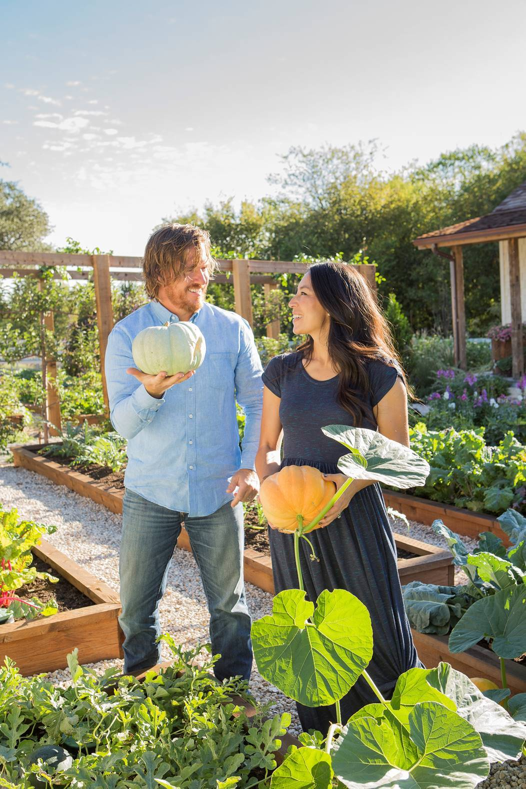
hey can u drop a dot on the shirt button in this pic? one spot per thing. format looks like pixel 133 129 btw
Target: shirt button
pixel 190 442
pixel 191 467
pixel 190 416
pixel 189 388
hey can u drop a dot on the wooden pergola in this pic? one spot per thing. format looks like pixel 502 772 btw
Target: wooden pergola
pixel 104 268
pixel 506 224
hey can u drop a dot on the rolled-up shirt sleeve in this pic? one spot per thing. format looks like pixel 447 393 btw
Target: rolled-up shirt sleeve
pixel 131 407
pixel 249 395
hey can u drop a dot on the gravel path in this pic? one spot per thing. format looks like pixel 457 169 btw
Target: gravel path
pixel 90 535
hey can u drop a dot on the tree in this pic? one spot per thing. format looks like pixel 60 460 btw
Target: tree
pixel 23 222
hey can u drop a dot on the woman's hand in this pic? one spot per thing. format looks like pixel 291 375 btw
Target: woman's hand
pixel 343 502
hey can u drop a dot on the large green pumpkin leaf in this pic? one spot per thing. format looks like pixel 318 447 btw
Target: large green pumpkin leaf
pixel 501 617
pixel 387 461
pixel 514 524
pixel 517 707
pixel 493 570
pixel 314 662
pixel 305 768
pixel 440 750
pixel 502 736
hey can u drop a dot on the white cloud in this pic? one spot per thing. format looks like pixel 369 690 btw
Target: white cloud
pixel 110 131
pixel 189 128
pixel 68 124
pixel 93 101
pixel 49 100
pixel 29 92
pixel 61 147
pixel 10 123
pixel 9 86
pixel 90 136
pixel 90 112
pixel 49 115
pixel 73 83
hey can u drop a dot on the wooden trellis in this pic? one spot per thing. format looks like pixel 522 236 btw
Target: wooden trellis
pixel 243 274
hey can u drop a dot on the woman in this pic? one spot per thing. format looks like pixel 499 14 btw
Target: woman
pixel 346 372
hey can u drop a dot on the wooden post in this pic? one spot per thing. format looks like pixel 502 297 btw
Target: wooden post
pixel 51 410
pixel 458 308
pixel 368 272
pixel 273 328
pixel 243 300
pixel 517 352
pixel 52 395
pixel 102 282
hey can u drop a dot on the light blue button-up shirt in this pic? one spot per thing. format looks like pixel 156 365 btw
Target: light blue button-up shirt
pixel 184 448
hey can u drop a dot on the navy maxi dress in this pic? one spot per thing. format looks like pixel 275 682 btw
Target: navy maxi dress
pixel 356 552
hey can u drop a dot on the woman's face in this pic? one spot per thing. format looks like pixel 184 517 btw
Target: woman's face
pixel 308 315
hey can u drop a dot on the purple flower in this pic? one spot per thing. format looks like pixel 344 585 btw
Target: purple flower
pixel 448 394
pixel 521 383
pixel 484 396
pixel 445 374
pixel 470 379
pixel 464 396
pixel 434 396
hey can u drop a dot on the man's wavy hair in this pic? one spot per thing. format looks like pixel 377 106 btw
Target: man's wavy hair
pixel 168 251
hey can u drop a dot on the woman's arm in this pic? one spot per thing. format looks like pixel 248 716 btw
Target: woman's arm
pixel 391 414
pixel 391 418
pixel 267 458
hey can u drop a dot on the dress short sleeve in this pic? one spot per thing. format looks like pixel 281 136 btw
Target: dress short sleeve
pixel 273 374
pixel 382 378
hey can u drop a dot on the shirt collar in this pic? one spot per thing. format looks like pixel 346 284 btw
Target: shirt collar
pixel 165 316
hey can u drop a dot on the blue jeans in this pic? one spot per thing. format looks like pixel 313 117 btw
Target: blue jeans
pixel 149 536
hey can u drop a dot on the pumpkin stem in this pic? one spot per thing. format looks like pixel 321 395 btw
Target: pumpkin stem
pixel 297 552
pixel 313 556
pixel 327 507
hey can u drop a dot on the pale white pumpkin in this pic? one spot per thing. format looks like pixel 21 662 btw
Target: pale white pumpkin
pixel 174 348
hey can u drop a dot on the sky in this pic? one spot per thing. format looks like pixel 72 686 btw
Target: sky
pixel 114 114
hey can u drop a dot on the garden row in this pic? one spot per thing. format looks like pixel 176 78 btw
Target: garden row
pixel 422 563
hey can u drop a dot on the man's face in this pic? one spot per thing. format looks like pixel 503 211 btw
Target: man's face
pixel 186 294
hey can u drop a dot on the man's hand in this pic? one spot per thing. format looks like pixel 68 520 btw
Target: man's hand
pixel 247 484
pixel 156 385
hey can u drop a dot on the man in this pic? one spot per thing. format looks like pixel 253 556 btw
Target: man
pixel 184 460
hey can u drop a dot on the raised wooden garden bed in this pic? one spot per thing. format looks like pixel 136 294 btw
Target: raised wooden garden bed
pixel 461 521
pixel 43 644
pixel 430 564
pixel 475 662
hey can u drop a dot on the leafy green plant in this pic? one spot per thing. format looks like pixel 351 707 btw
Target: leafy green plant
pixel 180 728
pixel 17 537
pixel 428 734
pixel 74 440
pixel 108 450
pixel 465 472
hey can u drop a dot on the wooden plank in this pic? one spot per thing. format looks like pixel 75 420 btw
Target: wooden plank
pixel 109 497
pixel 475 662
pixel 458 308
pixel 517 350
pixel 243 300
pixel 481 236
pixel 461 521
pixel 43 259
pixel 44 645
pixel 274 327
pixel 102 282
pixel 78 576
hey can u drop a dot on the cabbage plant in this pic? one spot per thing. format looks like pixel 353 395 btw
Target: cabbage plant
pixel 428 734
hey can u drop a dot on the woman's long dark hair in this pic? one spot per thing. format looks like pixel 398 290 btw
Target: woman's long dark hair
pixel 358 332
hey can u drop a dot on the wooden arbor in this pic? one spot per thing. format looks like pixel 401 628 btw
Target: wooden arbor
pixel 103 268
pixel 506 224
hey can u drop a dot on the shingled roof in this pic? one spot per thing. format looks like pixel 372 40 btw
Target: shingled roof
pixel 507 220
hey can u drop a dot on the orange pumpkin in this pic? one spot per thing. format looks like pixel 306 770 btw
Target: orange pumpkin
pixel 293 491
